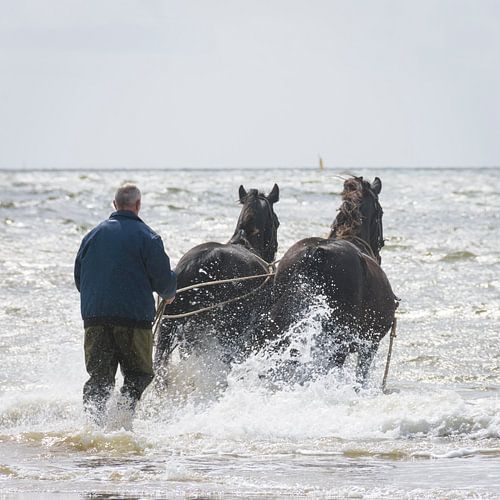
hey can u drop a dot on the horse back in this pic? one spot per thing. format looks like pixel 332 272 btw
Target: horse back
pixel 351 282
pixel 213 262
pixel 319 261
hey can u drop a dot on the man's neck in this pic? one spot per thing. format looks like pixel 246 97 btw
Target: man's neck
pixel 128 209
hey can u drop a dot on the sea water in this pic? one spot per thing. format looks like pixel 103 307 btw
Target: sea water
pixel 229 432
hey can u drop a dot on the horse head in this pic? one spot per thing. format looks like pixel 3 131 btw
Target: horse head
pixel 257 226
pixel 360 215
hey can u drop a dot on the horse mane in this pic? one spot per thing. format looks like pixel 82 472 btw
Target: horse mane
pixel 349 218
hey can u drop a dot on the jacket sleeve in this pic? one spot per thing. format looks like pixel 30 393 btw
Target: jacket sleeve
pixel 78 265
pixel 163 280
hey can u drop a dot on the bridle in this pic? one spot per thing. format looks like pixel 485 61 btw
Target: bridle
pixel 273 240
pixel 374 242
pixel 275 223
pixel 379 242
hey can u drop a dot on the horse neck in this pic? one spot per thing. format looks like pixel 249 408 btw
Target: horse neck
pixel 269 230
pixel 358 235
pixel 363 233
pixel 263 252
pixel 268 250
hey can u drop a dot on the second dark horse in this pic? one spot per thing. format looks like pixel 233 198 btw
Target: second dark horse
pixel 252 247
pixel 344 269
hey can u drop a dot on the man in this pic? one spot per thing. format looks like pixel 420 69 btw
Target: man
pixel 119 265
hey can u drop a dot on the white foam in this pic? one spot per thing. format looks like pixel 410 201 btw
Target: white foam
pixel 326 406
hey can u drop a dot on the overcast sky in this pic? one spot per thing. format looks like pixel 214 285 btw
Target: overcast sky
pixel 266 83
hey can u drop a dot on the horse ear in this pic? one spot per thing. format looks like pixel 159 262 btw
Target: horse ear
pixel 377 186
pixel 242 193
pixel 274 195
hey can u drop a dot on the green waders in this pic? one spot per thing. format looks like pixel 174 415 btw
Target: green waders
pixel 105 348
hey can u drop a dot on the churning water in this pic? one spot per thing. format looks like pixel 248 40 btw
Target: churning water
pixel 215 432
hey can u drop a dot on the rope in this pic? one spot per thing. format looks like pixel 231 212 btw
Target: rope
pixel 270 265
pixel 389 354
pixel 219 282
pixel 219 304
pixel 158 316
pixel 161 307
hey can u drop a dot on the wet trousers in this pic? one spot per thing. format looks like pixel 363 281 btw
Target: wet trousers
pixel 106 347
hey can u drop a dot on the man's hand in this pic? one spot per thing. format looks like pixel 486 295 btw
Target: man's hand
pixel 170 300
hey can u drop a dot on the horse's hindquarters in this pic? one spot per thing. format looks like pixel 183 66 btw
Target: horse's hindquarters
pixel 320 268
pixel 358 300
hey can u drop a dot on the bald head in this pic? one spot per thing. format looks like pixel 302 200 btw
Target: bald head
pixel 128 197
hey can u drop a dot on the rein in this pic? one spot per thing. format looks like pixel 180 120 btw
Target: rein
pixel 389 354
pixel 220 304
pixel 161 306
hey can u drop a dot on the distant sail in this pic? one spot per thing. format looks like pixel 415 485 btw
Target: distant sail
pixel 321 164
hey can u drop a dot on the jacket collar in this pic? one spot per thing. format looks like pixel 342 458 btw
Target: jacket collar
pixel 124 213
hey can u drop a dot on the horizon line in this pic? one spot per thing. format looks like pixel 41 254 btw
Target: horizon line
pixel 256 168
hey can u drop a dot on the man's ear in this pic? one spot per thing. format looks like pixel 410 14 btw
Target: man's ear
pixel 138 205
pixel 114 204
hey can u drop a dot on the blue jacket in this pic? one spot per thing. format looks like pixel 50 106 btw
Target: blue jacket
pixel 121 262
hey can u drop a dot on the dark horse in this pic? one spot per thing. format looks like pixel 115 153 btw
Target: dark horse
pixel 248 253
pixel 344 269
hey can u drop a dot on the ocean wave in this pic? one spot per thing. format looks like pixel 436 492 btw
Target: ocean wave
pixel 330 408
pixel 458 255
pixel 29 411
pixel 459 453
pixel 91 439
